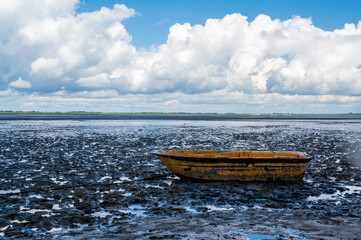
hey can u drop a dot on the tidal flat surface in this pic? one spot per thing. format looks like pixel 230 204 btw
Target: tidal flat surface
pixel 97 179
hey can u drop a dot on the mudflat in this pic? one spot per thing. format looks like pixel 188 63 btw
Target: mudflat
pixel 97 179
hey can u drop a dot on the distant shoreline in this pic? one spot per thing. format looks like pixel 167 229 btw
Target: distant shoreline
pixel 170 116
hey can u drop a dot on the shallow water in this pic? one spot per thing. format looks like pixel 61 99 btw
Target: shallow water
pixel 96 178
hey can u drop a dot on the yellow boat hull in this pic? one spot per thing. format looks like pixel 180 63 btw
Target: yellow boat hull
pixel 236 165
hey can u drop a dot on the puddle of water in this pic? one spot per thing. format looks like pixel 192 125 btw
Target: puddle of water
pixel 337 195
pixel 4 228
pixel 214 208
pixel 125 179
pixel 36 196
pixel 101 214
pixel 50 215
pixel 122 179
pixel 209 209
pixel 169 182
pixel 28 210
pixel 255 236
pixel 81 225
pixel 191 210
pixel 137 210
pixel 17 221
pixel 153 186
pixel 353 189
pixel 56 207
pixel 125 211
pixel 57 229
pixel 39 170
pixel 10 191
pixel 323 197
pixel 106 177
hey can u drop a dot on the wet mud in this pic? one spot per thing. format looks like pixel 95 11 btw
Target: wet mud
pixel 98 180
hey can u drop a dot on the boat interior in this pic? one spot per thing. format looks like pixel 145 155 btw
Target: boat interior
pixel 235 154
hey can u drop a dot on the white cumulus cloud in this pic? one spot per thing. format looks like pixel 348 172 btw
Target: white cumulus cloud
pixel 263 56
pixel 20 84
pixel 221 61
pixel 52 46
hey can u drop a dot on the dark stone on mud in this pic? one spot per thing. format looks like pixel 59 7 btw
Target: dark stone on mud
pixel 36 217
pixel 202 209
pixel 3 223
pixel 46 224
pixel 137 200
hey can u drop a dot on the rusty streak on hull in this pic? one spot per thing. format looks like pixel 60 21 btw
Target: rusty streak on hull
pixel 236 165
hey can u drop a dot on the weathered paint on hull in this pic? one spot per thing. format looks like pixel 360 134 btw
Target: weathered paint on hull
pixel 221 166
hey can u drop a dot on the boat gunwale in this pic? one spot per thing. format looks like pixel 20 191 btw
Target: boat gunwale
pixel 238 160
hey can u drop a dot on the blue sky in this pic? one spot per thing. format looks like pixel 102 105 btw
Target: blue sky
pixel 151 25
pixel 181 56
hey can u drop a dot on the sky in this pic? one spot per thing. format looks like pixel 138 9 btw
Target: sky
pixel 181 56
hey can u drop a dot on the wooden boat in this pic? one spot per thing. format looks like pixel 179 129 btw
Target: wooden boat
pixel 236 165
